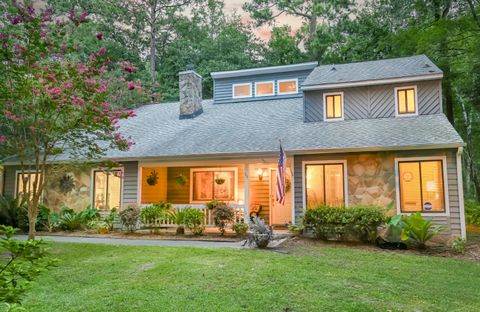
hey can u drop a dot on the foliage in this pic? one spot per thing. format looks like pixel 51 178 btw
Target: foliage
pixel 212 204
pixel 358 222
pixel 296 229
pixel 130 217
pixel 458 245
pixel 109 220
pixel 240 228
pixel 472 212
pixel 52 104
pixel 9 210
pixel 160 211
pixel 178 217
pixel 193 219
pixel 418 230
pixel 222 215
pixel 152 178
pixel 260 233
pixel 22 262
pixel 69 220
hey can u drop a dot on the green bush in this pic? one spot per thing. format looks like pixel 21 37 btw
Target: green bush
pixel 357 222
pixel 130 216
pixel 88 214
pixel 177 216
pixel 160 211
pixel 418 230
pixel 458 245
pixel 193 219
pixel 240 228
pixel 222 215
pixel 110 219
pixel 70 221
pixel 9 207
pixel 472 212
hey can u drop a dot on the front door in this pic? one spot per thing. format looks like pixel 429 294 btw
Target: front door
pixel 280 214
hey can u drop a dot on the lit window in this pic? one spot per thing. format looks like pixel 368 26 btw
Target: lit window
pixel 287 86
pixel 241 90
pixel 406 101
pixel 324 185
pixel 264 88
pixel 26 182
pixel 333 106
pixel 213 184
pixel 107 186
pixel 421 186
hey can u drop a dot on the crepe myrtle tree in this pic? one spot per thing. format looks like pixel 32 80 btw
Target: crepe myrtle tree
pixel 51 104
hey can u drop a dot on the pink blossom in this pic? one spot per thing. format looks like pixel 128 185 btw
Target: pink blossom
pixel 128 67
pixel 54 91
pixel 81 68
pixel 105 105
pixel 90 82
pixel 97 118
pixel 83 17
pixel 131 85
pixel 99 35
pixel 3 36
pixel 77 100
pixel 102 51
pixel 71 15
pixel 3 139
pixel 15 19
pixel 93 58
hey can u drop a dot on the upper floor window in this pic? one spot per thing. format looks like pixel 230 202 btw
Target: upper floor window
pixel 287 86
pixel 264 88
pixel 333 108
pixel 242 90
pixel 406 101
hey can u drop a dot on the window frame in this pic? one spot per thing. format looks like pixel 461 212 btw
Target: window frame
pixel 213 169
pixel 287 80
pixel 443 159
pixel 241 84
pixel 265 82
pixel 324 162
pixel 325 106
pixel 397 113
pixel 92 184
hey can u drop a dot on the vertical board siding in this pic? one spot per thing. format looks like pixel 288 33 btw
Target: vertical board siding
pixel 223 87
pixel 374 101
pixel 130 183
pixel 451 224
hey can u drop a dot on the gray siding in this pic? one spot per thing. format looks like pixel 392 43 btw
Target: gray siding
pixel 452 223
pixel 10 180
pixel 130 182
pixel 375 101
pixel 223 87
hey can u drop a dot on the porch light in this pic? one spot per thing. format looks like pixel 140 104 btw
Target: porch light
pixel 260 173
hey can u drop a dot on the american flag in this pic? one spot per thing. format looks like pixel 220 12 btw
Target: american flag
pixel 281 176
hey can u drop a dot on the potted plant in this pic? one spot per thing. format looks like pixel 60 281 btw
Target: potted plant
pixel 260 233
pixel 181 180
pixel 152 178
pixel 219 181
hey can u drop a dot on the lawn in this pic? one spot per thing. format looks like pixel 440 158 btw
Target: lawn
pixel 126 278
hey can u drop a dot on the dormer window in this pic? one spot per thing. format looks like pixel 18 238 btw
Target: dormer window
pixel 264 88
pixel 333 108
pixel 406 101
pixel 242 90
pixel 287 86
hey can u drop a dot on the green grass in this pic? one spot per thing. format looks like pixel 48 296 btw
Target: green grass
pixel 125 278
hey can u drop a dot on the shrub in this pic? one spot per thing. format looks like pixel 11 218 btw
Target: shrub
pixel 472 212
pixel 240 228
pixel 22 261
pixel 458 245
pixel 9 207
pixel 296 229
pixel 69 220
pixel 260 233
pixel 88 214
pixel 222 215
pixel 178 217
pixel 129 217
pixel 193 219
pixel 359 222
pixel 155 212
pixel 110 218
pixel 418 230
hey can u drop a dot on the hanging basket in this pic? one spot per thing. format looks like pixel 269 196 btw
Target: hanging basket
pixel 219 181
pixel 152 178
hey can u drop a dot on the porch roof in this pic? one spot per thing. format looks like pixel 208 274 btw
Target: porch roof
pixel 256 127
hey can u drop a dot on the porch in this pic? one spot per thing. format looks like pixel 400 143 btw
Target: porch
pixel 248 187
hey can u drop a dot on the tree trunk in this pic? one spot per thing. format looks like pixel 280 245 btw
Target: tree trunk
pixel 32 220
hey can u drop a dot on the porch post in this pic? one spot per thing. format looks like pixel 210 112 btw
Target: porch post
pixel 246 200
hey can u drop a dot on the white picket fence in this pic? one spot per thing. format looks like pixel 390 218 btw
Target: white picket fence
pixel 239 215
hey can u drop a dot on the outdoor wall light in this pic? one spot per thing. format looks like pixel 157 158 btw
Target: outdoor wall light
pixel 260 173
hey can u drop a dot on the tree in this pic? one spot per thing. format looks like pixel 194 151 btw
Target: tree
pixel 51 104
pixel 283 48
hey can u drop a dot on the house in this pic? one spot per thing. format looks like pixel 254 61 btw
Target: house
pixel 369 133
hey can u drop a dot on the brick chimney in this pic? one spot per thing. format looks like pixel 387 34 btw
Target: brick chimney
pixel 190 93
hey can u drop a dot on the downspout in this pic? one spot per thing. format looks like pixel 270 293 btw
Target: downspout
pixel 461 203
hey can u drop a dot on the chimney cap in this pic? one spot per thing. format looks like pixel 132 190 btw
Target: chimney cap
pixel 190 67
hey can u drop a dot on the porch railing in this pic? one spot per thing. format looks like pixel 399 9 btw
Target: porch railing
pixel 238 213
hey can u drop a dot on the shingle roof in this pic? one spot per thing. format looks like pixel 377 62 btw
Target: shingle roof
pixel 256 126
pixel 412 66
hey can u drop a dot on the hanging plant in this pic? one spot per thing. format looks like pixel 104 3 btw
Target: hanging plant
pixel 152 178
pixel 219 181
pixel 288 185
pixel 181 179
pixel 66 184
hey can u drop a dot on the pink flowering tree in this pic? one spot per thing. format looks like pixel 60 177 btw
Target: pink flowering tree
pixel 50 103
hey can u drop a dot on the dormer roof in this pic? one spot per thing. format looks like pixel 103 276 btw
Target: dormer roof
pixel 264 70
pixel 396 70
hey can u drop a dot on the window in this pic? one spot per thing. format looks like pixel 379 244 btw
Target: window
pixel 406 100
pixel 324 184
pixel 210 184
pixel 264 88
pixel 107 188
pixel 27 180
pixel 421 186
pixel 333 108
pixel 242 90
pixel 287 86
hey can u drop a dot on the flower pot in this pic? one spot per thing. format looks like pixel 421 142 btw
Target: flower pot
pixel 261 240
